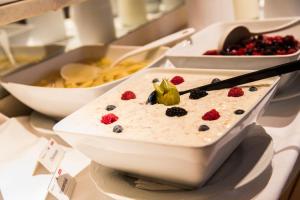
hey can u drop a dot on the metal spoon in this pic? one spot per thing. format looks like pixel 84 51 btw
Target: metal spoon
pixel 239 33
pixel 242 79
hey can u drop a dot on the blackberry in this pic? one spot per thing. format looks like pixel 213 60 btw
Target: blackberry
pixel 155 80
pixel 197 94
pixel 203 128
pixel 215 80
pixel 118 129
pixel 175 111
pixel 252 89
pixel 239 112
pixel 110 107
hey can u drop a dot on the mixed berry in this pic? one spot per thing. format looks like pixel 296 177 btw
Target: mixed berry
pixel 117 129
pixel 109 118
pixel 176 80
pixel 176 111
pixel 215 80
pixel 197 94
pixel 156 80
pixel 203 128
pixel 239 112
pixel 252 89
pixel 110 107
pixel 235 92
pixel 128 95
pixel 258 45
pixel 211 115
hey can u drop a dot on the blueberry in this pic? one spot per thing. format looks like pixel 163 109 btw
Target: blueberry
pixel 203 128
pixel 215 80
pixel 252 89
pixel 239 112
pixel 110 107
pixel 155 80
pixel 117 129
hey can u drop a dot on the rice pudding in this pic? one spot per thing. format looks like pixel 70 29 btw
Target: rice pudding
pixel 123 113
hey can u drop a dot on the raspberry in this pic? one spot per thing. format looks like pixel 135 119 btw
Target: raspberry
pixel 241 51
pixel 211 52
pixel 250 45
pixel 235 92
pixel 280 52
pixel 257 53
pixel 176 80
pixel 128 95
pixel 292 50
pixel 211 115
pixel 175 111
pixel 109 118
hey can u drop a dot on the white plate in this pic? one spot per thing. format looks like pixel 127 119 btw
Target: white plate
pixel 42 123
pixel 238 176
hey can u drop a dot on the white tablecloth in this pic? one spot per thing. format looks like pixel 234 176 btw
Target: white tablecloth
pixel 282 122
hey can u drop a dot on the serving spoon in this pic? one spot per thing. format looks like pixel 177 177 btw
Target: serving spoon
pixel 4 42
pixel 160 42
pixel 78 70
pixel 238 80
pixel 238 33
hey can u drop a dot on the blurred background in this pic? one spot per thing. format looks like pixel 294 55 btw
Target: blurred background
pixel 137 22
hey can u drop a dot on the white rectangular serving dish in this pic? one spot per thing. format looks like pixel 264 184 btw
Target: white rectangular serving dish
pixel 191 53
pixel 60 102
pixel 190 166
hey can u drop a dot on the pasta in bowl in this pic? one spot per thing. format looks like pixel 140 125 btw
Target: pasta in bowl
pixel 90 73
pixel 42 88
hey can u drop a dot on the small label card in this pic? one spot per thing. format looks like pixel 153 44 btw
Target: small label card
pixel 51 156
pixel 62 185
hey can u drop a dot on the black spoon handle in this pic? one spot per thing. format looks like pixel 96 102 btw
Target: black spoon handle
pixel 250 77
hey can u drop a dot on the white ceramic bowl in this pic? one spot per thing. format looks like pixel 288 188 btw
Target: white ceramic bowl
pixel 185 165
pixel 28 55
pixel 191 54
pixel 60 102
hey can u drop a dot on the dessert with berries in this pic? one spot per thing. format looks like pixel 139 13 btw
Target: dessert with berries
pixel 260 45
pixel 193 119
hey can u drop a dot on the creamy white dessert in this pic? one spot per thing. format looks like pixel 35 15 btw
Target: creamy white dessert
pixel 144 122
